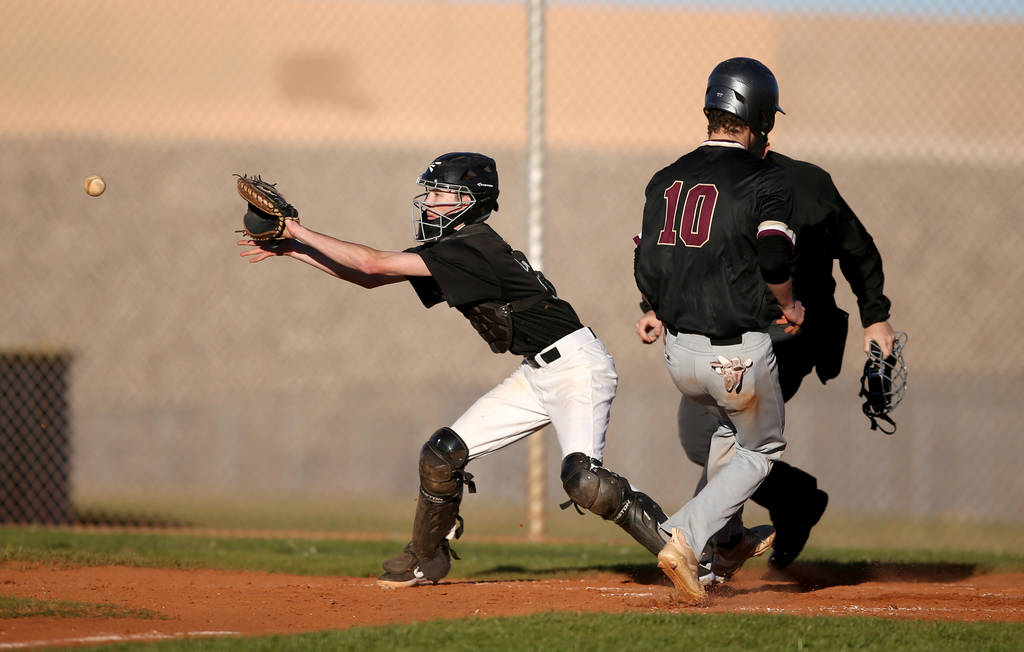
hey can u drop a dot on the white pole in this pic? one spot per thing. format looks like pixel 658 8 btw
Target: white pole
pixel 534 238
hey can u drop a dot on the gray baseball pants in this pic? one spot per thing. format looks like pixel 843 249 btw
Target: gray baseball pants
pixel 748 438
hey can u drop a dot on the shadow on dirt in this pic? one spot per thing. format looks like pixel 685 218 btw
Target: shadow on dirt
pixel 801 577
pixel 811 576
pixel 641 574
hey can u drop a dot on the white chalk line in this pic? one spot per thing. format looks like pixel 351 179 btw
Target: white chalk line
pixel 111 638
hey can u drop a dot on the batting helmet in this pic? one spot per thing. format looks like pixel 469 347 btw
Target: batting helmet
pixel 474 179
pixel 747 89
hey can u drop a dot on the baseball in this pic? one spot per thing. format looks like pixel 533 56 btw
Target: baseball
pixel 95 185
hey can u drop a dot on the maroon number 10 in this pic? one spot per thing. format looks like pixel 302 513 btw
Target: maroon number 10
pixel 698 212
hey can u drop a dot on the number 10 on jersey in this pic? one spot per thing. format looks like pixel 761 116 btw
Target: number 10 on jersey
pixel 697 214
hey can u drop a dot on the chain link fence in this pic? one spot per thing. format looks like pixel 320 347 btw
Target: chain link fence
pixel 188 387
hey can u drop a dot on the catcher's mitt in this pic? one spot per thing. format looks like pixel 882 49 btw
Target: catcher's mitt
pixel 267 209
pixel 883 383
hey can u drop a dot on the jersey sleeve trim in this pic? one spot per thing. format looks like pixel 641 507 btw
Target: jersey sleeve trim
pixel 774 227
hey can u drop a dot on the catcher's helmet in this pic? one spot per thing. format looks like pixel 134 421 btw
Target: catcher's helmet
pixel 474 179
pixel 747 89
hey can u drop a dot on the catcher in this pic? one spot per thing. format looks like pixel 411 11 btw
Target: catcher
pixel 565 376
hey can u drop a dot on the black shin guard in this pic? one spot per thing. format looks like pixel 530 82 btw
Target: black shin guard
pixel 607 494
pixel 442 478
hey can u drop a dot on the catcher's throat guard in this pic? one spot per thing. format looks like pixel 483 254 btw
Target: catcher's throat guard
pixel 264 220
pixel 883 383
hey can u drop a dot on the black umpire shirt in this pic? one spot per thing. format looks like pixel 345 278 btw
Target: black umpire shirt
pixel 474 265
pixel 827 230
pixel 715 228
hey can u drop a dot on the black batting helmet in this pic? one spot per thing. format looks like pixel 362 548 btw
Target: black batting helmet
pixel 747 89
pixel 474 179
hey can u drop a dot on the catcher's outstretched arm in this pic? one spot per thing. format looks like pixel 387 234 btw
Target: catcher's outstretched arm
pixel 306 254
pixel 358 257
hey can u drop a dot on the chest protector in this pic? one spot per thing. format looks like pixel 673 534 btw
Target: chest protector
pixel 493 319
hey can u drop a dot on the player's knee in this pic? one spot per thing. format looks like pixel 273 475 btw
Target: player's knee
pixel 442 459
pixel 592 486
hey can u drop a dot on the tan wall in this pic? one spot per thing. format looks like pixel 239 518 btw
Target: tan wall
pixel 379 73
pixel 176 338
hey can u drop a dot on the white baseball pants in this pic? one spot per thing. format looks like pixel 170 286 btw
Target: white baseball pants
pixel 573 393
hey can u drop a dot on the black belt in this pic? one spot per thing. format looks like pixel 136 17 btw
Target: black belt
pixel 547 356
pixel 724 341
pixel 563 346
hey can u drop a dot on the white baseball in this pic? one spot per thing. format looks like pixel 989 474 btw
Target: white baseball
pixel 95 185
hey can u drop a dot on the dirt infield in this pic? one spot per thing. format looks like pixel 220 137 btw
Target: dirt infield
pixel 223 603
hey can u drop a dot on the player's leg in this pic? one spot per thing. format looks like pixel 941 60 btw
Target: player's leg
pixel 442 462
pixel 754 414
pixel 504 415
pixel 578 391
pixel 758 435
pixel 734 542
pixel 696 425
pixel 795 504
pixel 609 495
pixel 736 466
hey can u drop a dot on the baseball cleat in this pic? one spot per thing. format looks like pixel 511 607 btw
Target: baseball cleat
pixel 677 561
pixel 406 578
pixel 754 543
pixel 793 531
pixel 707 577
pixel 402 562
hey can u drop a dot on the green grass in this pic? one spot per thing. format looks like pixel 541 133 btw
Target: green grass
pixel 620 632
pixel 28 608
pixel 303 556
pixel 490 518
pixel 479 560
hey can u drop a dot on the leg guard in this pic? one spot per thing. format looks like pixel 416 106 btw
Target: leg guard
pixel 442 460
pixel 593 487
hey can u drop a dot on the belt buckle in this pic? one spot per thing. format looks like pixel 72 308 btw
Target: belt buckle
pixel 550 356
pixel 547 357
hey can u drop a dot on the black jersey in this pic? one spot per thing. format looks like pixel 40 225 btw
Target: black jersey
pixel 829 230
pixel 697 262
pixel 475 265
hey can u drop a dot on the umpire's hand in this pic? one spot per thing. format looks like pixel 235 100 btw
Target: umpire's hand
pixel 882 333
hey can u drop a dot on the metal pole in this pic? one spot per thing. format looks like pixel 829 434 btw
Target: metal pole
pixel 534 236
